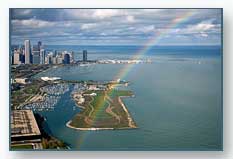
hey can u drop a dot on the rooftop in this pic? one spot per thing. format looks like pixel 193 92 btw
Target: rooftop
pixel 23 123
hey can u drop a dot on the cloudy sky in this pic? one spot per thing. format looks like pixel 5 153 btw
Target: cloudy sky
pixel 117 26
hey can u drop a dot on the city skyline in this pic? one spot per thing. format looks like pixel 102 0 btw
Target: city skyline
pixel 133 79
pixel 36 54
pixel 117 26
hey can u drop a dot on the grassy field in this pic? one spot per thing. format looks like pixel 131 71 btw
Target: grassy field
pixel 23 146
pixel 20 96
pixel 103 110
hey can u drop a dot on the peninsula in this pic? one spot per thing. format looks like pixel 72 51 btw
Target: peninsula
pixel 102 110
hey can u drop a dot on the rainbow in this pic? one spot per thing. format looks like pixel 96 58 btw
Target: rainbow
pixel 153 41
pixel 137 56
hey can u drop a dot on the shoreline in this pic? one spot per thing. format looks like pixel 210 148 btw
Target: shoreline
pixel 83 129
pixel 96 128
pixel 131 123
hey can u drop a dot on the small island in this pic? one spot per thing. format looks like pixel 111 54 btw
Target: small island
pixel 102 110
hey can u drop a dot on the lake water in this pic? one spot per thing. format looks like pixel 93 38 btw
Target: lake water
pixel 177 103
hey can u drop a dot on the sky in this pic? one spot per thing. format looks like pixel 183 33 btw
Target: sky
pixel 117 26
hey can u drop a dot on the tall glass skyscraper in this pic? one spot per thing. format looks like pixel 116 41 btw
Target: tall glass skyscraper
pixel 28 56
pixel 84 55
pixel 66 59
pixel 42 56
pixel 39 45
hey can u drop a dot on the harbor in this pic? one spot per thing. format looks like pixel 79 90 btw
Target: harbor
pixel 51 95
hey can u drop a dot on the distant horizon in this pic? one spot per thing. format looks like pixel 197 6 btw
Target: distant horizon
pixel 122 45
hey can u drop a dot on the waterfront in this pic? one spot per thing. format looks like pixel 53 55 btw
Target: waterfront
pixel 47 102
pixel 177 104
pixel 136 79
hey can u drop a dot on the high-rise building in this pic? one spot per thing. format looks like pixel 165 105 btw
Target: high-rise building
pixel 35 55
pixel 27 52
pixel 16 57
pixel 55 59
pixel 59 60
pixel 39 45
pixel 72 56
pixel 42 56
pixel 66 59
pixel 55 53
pixel 84 55
pixel 22 57
pixel 49 58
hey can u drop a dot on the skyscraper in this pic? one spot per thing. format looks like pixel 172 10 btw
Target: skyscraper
pixel 42 56
pixel 66 59
pixel 39 45
pixel 35 55
pixel 17 57
pixel 72 57
pixel 49 58
pixel 22 58
pixel 55 53
pixel 28 56
pixel 85 55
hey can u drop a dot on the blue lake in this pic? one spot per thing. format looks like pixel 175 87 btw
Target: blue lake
pixel 177 103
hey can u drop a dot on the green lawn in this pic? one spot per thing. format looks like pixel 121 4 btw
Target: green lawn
pixel 20 96
pixel 98 117
pixel 24 146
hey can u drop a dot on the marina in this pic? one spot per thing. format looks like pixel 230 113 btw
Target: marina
pixel 51 95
